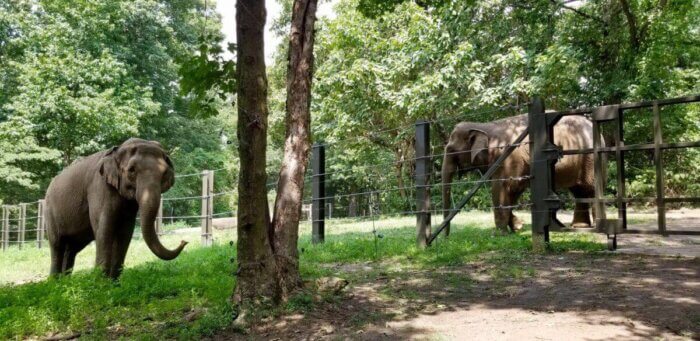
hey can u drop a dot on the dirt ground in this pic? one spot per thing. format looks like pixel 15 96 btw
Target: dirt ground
pixel 648 289
pixel 571 296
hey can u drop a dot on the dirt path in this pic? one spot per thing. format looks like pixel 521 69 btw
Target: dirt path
pixel 570 296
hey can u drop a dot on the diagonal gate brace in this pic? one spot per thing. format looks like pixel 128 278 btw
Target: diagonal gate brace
pixel 453 212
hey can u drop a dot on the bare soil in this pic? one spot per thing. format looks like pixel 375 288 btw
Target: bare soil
pixel 569 296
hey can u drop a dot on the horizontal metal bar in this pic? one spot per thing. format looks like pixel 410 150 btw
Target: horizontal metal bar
pixel 641 146
pixel 663 102
pixel 613 200
pixel 669 232
pixel 635 105
pixel 686 199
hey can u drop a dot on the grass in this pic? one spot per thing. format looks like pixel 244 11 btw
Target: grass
pixel 152 297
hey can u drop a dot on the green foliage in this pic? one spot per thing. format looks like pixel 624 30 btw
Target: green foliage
pixel 80 76
pixel 207 76
pixel 382 65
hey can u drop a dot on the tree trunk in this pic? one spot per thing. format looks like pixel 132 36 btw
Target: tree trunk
pixel 285 224
pixel 398 168
pixel 256 272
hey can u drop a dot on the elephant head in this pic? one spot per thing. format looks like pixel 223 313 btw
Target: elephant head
pixel 141 170
pixel 466 150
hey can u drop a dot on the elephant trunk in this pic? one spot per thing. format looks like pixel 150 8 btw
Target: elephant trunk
pixel 448 170
pixel 149 201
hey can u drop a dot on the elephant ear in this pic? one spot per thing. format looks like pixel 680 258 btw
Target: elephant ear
pixel 169 176
pixel 479 142
pixel 110 168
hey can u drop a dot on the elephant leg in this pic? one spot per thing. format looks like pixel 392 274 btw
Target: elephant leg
pixel 58 250
pixel 500 198
pixel 70 253
pixel 582 216
pixel 120 246
pixel 103 245
pixel 68 260
pixel 514 222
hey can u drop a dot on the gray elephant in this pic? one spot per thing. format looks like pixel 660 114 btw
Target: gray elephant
pixel 478 145
pixel 97 198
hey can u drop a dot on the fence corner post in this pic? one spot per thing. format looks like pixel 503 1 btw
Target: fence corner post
pixel 422 178
pixel 22 224
pixel 5 227
pixel 318 193
pixel 543 155
pixel 40 222
pixel 206 219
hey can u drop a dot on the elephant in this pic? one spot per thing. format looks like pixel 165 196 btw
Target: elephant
pixel 98 197
pixel 477 145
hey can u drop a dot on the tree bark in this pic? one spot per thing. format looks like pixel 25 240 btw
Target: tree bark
pixel 285 224
pixel 256 265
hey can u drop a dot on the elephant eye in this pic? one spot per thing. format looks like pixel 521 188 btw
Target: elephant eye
pixel 132 169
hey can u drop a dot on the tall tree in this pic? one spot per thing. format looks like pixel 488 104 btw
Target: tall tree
pixel 267 250
pixel 256 264
pixel 285 224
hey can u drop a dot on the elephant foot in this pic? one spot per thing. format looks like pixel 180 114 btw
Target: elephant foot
pixel 517 224
pixel 580 225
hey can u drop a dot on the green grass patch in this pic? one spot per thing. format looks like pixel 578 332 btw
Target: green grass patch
pixel 152 297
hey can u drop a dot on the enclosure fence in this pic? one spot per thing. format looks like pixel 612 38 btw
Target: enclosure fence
pixel 326 203
pixel 25 223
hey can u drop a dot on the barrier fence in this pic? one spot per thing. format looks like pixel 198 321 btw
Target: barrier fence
pixel 383 194
pixel 25 223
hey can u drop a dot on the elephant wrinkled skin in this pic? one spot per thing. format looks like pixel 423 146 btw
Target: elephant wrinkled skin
pixel 98 197
pixel 478 145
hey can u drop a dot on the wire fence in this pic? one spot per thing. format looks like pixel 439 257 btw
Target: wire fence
pixel 339 189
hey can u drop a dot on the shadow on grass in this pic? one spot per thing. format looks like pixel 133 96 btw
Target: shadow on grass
pixel 472 267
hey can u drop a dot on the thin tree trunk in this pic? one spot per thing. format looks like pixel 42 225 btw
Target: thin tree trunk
pixel 256 274
pixel 285 224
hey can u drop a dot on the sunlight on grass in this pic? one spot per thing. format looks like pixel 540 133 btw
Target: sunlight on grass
pixel 152 296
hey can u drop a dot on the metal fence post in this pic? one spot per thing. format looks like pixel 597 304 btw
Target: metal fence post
pixel 40 223
pixel 660 181
pixel 318 193
pixel 22 224
pixel 544 154
pixel 423 170
pixel 5 227
pixel 210 209
pixel 206 218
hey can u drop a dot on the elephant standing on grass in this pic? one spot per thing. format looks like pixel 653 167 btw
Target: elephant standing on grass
pixel 478 145
pixel 97 198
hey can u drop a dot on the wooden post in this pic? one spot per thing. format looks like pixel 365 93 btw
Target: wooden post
pixel 423 170
pixel 40 223
pixel 159 219
pixel 207 182
pixel 620 158
pixel 318 193
pixel 5 227
pixel 210 209
pixel 22 224
pixel 658 162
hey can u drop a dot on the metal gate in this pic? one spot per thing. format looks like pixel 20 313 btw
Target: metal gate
pixel 545 207
pixel 545 154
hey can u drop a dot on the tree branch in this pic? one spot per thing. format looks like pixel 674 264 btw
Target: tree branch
pixel 632 24
pixel 577 11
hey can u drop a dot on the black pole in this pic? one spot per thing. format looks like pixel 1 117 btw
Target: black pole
pixel 423 170
pixel 318 193
pixel 544 154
